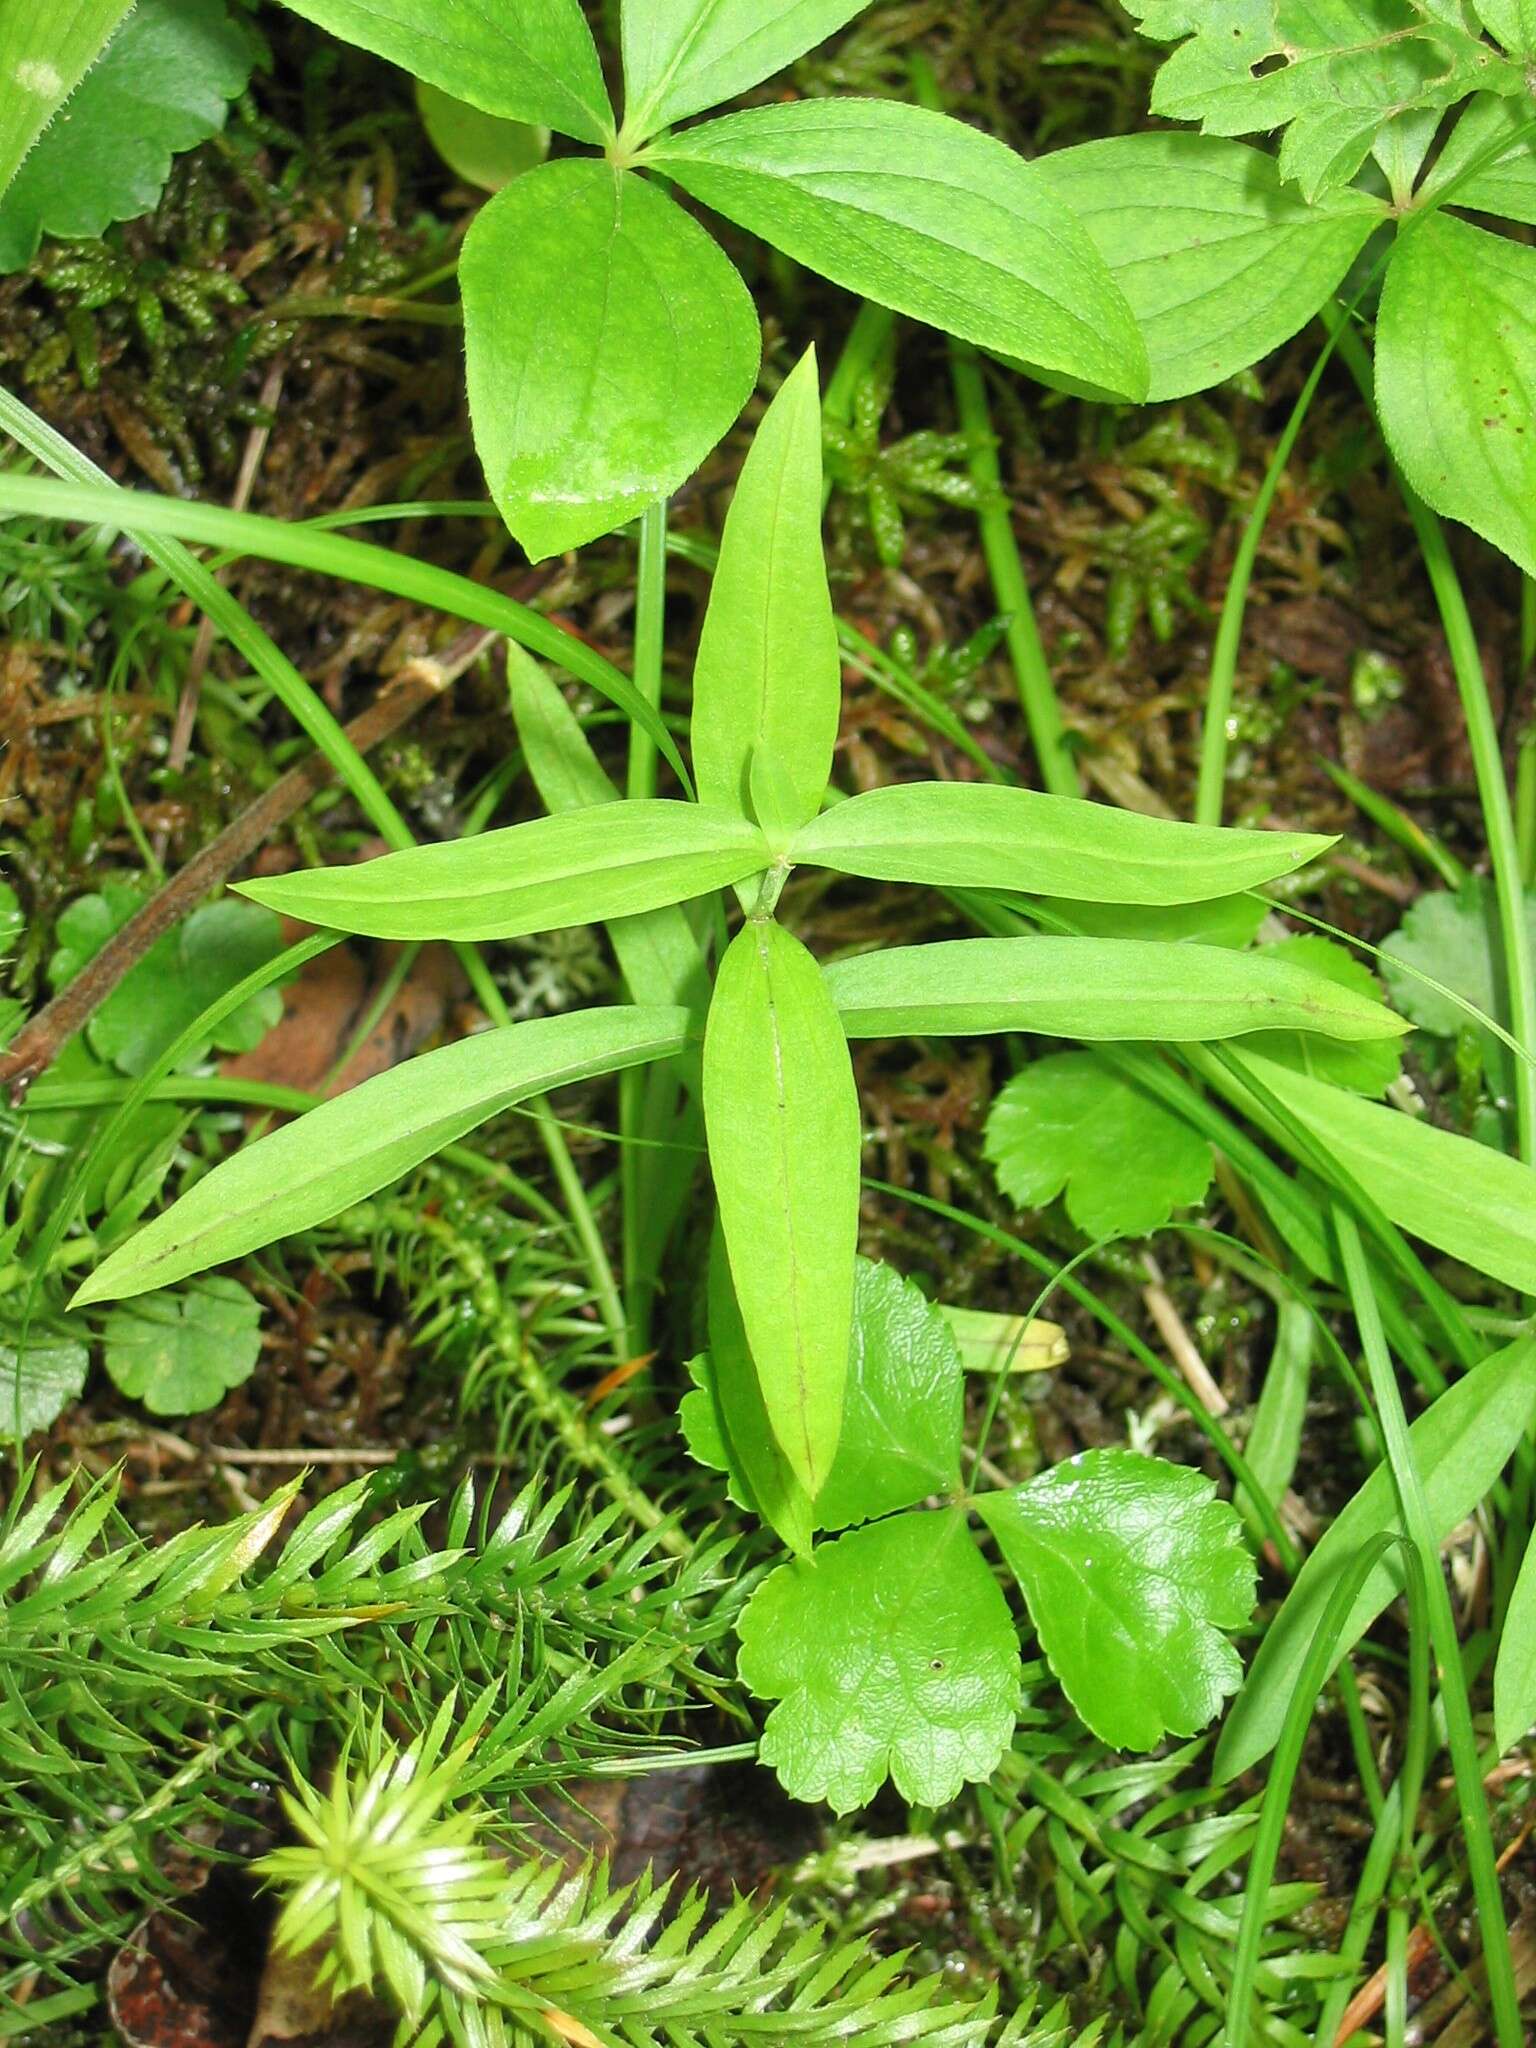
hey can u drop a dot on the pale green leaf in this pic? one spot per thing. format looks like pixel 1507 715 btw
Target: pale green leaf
pixel 892 1652
pixel 348 1148
pixel 609 343
pixel 40 1374
pixel 1097 989
pixel 1455 363
pixel 1219 921
pixel 992 1342
pixel 980 836
pixel 681 56
pixel 1220 260
pixel 782 1114
pixel 1514 1673
pixel 1131 1569
pixel 580 867
pixel 527 60
pixel 1369 1066
pixel 480 148
pixel 181 1352
pixel 1069 1124
pixel 45 51
pixel 920 213
pixel 767 683
pixel 1460 1446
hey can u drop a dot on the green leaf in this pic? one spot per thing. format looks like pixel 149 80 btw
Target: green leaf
pixel 992 1342
pixel 1460 1446
pixel 681 56
pixel 163 84
pixel 1455 359
pixel 925 215
pixel 1220 260
pixel 177 979
pixel 1510 22
pixel 580 867
pixel 977 836
pixel 483 149
pixel 1368 1066
pixel 1069 1123
pixel 892 1652
pixel 1514 1673
pixel 12 923
pixel 40 1375
pixel 44 54
pixel 1453 937
pixel 782 1114
pixel 610 344
pixel 767 683
pixel 1094 989
pixel 1506 184
pixel 1131 1568
pixel 347 1149
pixel 180 1353
pixel 1464 1198
pixel 1220 921
pixel 527 60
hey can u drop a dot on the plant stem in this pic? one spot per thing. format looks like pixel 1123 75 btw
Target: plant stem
pixel 1525 765
pixel 867 337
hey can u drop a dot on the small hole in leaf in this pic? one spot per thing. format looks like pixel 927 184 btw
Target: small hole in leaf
pixel 937 1664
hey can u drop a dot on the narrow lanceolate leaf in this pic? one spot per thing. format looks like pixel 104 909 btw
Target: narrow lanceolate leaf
pixel 347 1149
pixel 1460 1446
pixel 1220 259
pixel 1093 989
pixel 975 836
pixel 681 56
pixel 1514 1675
pixel 528 60
pixel 1464 1198
pixel 45 51
pixel 782 1115
pixel 1455 361
pixel 609 342
pixel 923 214
pixel 579 868
pixel 766 685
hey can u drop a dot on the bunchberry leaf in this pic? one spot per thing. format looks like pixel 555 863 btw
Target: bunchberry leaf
pixel 1220 259
pixel 347 1149
pixel 923 214
pixel 1131 1569
pixel 44 54
pixel 1069 1123
pixel 982 836
pixel 163 83
pixel 782 1115
pixel 1460 1445
pixel 181 1352
pixel 767 683
pixel 681 56
pixel 527 60
pixel 609 342
pixel 579 867
pixel 40 1375
pixel 483 149
pixel 1368 1066
pixel 892 1652
pixel 1457 323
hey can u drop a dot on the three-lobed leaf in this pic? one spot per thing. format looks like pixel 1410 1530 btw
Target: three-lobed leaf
pixel 681 56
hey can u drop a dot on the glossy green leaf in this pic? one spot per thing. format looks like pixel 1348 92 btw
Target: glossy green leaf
pixel 348 1148
pixel 577 868
pixel 681 56
pixel 180 1352
pixel 45 51
pixel 767 684
pixel 610 343
pixel 1069 1124
pixel 893 1653
pixel 1220 260
pixel 1455 360
pixel 923 214
pixel 527 60
pixel 40 1374
pixel 1131 1569
pixel 480 148
pixel 1461 1197
pixel 1460 1446
pixel 1514 1674
pixel 1220 921
pixel 1101 989
pixel 1368 1066
pixel 980 836
pixel 782 1114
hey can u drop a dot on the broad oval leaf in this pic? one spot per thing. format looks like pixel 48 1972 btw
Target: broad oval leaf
pixel 483 149
pixel 767 684
pixel 1455 362
pixel 1460 1445
pixel 349 1148
pixel 527 60
pixel 782 1115
pixel 925 215
pixel 1131 1569
pixel 579 867
pixel 1104 989
pixel 891 1652
pixel 44 54
pixel 609 344
pixel 978 836
pixel 681 56
pixel 1220 260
